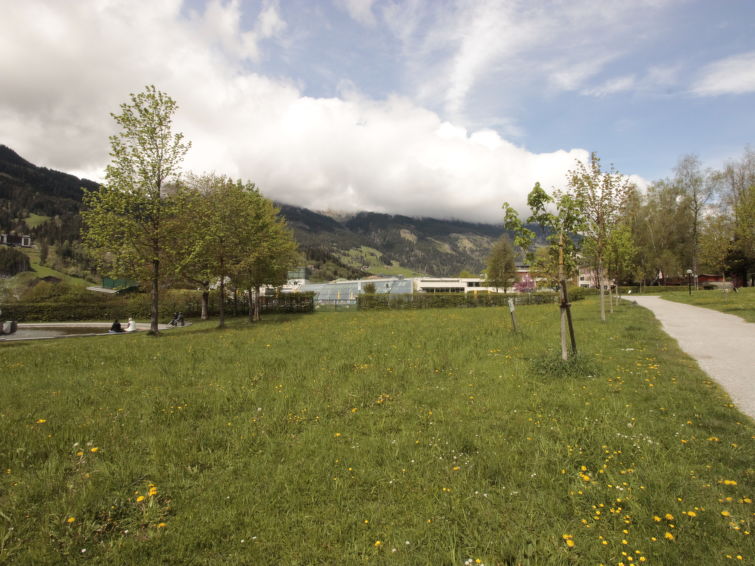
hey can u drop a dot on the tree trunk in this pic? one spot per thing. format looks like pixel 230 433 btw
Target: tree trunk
pixel 250 298
pixel 257 309
pixel 562 282
pixel 610 297
pixel 206 302
pixel 221 322
pixel 154 306
pixel 564 349
pixel 235 302
pixel 599 267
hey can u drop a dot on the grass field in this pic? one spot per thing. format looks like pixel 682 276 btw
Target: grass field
pixel 415 437
pixel 34 220
pixel 741 303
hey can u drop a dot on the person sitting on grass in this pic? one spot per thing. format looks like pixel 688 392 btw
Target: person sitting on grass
pixel 116 328
pixel 131 325
pixel 180 319
pixel 174 321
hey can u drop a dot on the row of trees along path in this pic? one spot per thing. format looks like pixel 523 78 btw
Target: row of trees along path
pixel 146 222
pixel 589 207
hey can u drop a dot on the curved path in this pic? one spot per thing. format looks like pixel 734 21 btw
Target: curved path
pixel 723 345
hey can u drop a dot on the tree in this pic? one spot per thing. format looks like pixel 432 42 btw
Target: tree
pixel 123 219
pixel 698 187
pixel 501 270
pixel 716 243
pixel 273 255
pixel 567 220
pixel 599 195
pixel 737 182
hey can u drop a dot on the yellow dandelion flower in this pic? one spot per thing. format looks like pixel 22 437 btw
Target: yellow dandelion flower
pixel 337 434
pixel 691 514
pixel 162 525
pixel 668 536
pixel 669 517
pixel 378 544
pixel 729 482
pixel 70 519
pixel 570 543
pixel 140 499
pixel 656 518
pixel 725 514
pixel 41 421
pixel 79 453
pixel 93 449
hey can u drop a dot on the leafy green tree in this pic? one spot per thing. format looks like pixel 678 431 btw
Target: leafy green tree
pixel 123 219
pixel 44 250
pixel 501 269
pixel 600 196
pixel 697 187
pixel 268 261
pixel 737 183
pixel 716 243
pixel 13 261
pixel 566 220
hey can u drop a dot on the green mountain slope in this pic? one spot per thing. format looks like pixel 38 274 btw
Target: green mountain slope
pixel 46 204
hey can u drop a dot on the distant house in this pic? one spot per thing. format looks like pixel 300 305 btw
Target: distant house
pixel 14 240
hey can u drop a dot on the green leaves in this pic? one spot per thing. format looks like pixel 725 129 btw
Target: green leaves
pixel 123 219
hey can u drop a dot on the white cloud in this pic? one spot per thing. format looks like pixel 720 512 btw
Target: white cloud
pixel 359 10
pixel 67 65
pixel 731 75
pixel 612 86
pixel 555 46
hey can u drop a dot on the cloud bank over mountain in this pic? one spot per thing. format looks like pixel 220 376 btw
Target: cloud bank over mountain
pixel 354 105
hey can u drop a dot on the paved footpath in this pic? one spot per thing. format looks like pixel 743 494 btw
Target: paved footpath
pixel 723 344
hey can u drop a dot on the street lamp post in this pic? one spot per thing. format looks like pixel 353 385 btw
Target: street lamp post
pixel 689 281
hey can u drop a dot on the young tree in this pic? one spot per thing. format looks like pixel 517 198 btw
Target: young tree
pixel 567 220
pixel 123 218
pixel 599 195
pixel 501 270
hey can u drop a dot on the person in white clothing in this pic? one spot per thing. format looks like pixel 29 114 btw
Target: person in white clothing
pixel 131 325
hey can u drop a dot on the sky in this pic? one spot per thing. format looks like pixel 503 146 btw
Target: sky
pixel 427 108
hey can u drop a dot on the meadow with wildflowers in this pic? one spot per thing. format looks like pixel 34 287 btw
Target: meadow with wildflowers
pixel 400 437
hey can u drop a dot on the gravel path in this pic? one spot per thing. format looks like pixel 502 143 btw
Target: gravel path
pixel 723 345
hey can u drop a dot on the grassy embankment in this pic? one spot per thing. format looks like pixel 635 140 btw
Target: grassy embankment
pixel 371 258
pixel 15 284
pixel 414 437
pixel 741 303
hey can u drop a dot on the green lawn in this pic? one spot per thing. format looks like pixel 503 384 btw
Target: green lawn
pixel 413 437
pixel 741 303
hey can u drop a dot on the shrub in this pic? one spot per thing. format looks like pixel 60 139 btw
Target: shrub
pixel 86 305
pixel 384 301
pixel 13 261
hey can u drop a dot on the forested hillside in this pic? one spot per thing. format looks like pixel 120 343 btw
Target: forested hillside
pixel 46 204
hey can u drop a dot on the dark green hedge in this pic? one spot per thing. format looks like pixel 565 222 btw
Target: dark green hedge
pixel 110 307
pixel 449 300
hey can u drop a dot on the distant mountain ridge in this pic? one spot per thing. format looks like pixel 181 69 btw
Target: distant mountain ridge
pixel 334 245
